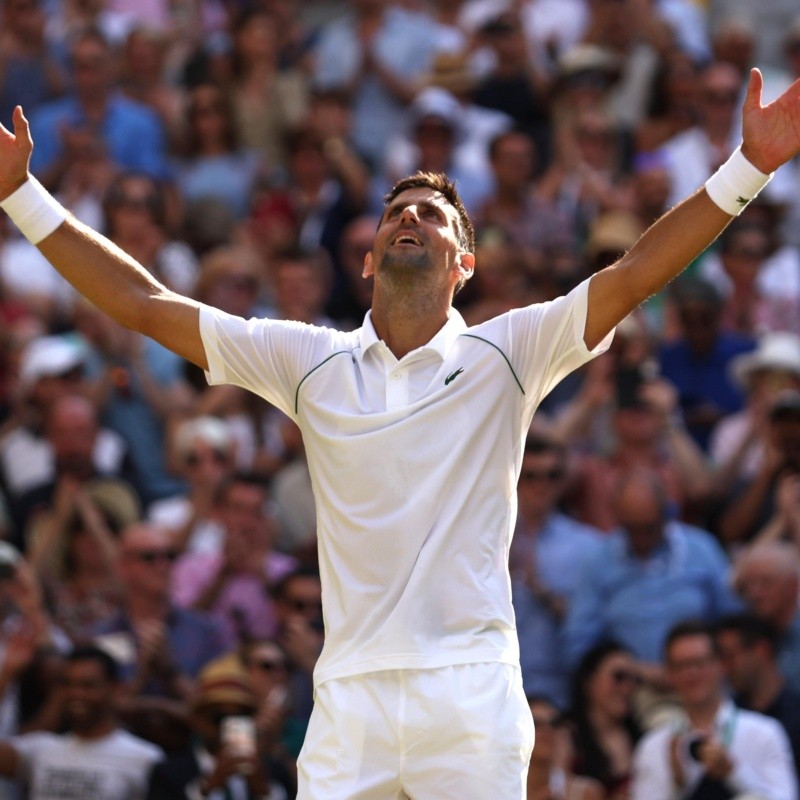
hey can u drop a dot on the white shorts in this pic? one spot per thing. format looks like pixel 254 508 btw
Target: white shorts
pixel 452 733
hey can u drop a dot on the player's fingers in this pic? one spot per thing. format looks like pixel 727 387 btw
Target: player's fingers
pixel 22 130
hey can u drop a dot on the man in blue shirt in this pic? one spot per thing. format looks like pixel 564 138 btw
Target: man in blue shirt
pixel 95 119
pixel 648 576
pixel 548 553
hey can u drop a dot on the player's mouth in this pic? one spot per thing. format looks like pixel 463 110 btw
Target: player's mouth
pixel 404 238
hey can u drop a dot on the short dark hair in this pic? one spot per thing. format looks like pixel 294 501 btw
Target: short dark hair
pixel 91 652
pixel 439 182
pixel 536 444
pixel 687 629
pixel 304 571
pixel 255 479
pixel 751 630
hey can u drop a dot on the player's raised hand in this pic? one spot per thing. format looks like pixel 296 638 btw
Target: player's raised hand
pixel 15 154
pixel 771 133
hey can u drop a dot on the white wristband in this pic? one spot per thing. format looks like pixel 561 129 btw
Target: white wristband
pixel 736 183
pixel 34 210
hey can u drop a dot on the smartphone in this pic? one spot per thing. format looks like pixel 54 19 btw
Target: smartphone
pixel 239 738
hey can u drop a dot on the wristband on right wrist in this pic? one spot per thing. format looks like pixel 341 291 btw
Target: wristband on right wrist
pixel 34 211
pixel 736 183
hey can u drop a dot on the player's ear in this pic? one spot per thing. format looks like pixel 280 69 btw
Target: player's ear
pixel 368 271
pixel 466 265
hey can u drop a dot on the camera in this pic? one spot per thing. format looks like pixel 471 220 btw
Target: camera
pixel 9 558
pixel 694 745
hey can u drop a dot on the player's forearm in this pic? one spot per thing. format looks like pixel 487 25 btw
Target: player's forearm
pixel 661 254
pixel 101 272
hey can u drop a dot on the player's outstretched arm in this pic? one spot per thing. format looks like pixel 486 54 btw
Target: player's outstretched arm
pixel 98 269
pixel 770 138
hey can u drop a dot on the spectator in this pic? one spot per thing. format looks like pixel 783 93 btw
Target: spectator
pixel 71 428
pixel 326 186
pixel 136 211
pixel 602 723
pixel 352 295
pixel 298 600
pixel 161 647
pixel 96 116
pixel 648 434
pixel 212 165
pixel 737 445
pixel 74 553
pixel 379 52
pixel 302 283
pixel 761 500
pixel 50 367
pixel 697 362
pixel 546 778
pixel 267 667
pixel 435 130
pixel 548 552
pixel 768 578
pixel 29 66
pixel 517 85
pixel 650 574
pixel 747 647
pixel 748 309
pixel 269 98
pixel 213 765
pixel 233 584
pixel 718 750
pixel 94 757
pixel 142 387
pixel 531 224
pixel 205 451
pixel 144 78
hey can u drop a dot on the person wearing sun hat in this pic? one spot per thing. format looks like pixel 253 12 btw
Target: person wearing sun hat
pixel 736 445
pixel 212 767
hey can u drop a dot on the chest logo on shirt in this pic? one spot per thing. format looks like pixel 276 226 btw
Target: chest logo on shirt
pixel 453 375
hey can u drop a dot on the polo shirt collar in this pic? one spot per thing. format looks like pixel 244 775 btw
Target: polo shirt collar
pixel 440 343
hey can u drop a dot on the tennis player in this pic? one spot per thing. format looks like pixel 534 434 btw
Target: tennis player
pixel 414 427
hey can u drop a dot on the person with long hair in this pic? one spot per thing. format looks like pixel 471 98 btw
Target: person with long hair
pixel 602 722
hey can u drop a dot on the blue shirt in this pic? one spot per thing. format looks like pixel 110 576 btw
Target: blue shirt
pixel 562 548
pixel 405 45
pixel 637 601
pixel 789 654
pixel 705 380
pixel 132 133
pixel 195 639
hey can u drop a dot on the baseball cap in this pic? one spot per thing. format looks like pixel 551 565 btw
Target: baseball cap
pixel 49 356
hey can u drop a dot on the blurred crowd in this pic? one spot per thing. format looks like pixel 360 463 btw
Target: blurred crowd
pixel 158 570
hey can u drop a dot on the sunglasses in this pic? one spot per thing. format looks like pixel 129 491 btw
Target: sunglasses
pixel 625 676
pixel 547 722
pixel 154 556
pixel 297 604
pixel 551 475
pixel 268 665
pixel 216 456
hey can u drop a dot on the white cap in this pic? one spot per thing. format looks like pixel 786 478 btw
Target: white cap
pixel 779 351
pixel 48 356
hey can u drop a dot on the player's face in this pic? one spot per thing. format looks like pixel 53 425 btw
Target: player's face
pixel 418 235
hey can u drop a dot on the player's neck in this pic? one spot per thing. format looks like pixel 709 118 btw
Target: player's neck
pixel 406 325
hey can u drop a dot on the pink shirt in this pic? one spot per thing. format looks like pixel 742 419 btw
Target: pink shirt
pixel 244 606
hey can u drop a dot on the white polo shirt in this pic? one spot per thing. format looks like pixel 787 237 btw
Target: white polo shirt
pixel 414 465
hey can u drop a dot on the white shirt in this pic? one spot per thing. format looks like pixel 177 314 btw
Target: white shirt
pixel 757 745
pixel 56 767
pixel 414 465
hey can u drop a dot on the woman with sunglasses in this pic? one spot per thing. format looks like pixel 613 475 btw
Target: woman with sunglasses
pixel 547 779
pixel 604 730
